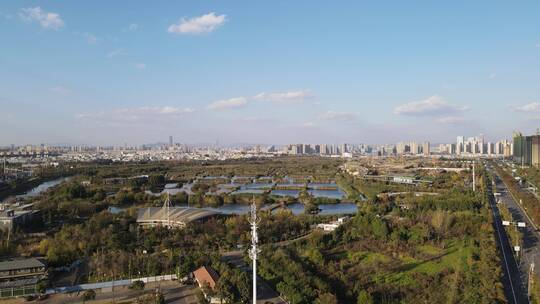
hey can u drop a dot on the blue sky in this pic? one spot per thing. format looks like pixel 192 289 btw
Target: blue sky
pixel 109 72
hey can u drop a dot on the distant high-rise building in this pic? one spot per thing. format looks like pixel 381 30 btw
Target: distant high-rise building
pixel 426 149
pixel 170 140
pixel 518 153
pixel 414 148
pixel 344 148
pixel 400 148
pixel 526 149
pixel 460 144
pixel 490 148
pixel 535 150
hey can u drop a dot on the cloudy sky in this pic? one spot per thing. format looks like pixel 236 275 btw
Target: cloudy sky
pixel 104 72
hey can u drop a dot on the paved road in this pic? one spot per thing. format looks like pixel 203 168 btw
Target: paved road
pixel 515 269
pixel 173 292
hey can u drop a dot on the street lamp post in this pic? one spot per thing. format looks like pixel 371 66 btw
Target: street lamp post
pixel 517 248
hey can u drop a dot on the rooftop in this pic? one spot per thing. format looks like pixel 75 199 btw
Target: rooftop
pixel 206 274
pixel 178 215
pixel 20 264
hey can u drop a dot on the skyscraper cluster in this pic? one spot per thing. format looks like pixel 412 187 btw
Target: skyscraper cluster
pixel 413 148
pixel 478 146
pixel 464 146
pixel 325 149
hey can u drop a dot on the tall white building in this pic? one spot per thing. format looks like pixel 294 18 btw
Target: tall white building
pixel 460 144
pixel 426 149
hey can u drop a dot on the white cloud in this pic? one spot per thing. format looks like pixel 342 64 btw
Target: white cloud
pixel 284 97
pixel 133 27
pixel 289 97
pixel 492 75
pixel 232 103
pixel 143 114
pixel 340 116
pixel 451 120
pixel 46 20
pixel 61 90
pixel 258 119
pixel 250 118
pixel 166 110
pixel 198 25
pixel 91 38
pixel 115 53
pixel 530 107
pixel 432 106
pixel 309 124
pixel 140 66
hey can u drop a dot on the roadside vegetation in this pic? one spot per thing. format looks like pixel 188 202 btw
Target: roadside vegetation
pixel 440 249
pixel 527 199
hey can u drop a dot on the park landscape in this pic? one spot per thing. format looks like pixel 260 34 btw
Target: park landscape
pixel 405 243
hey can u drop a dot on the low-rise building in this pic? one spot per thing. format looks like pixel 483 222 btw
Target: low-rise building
pixel 207 279
pixel 11 219
pixel 20 277
pixel 333 225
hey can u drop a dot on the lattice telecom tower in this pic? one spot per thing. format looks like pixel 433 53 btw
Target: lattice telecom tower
pixel 254 221
pixel 167 207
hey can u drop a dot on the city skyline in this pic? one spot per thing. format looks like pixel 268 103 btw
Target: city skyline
pixel 266 73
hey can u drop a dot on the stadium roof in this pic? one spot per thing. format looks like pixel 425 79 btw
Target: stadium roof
pixel 176 215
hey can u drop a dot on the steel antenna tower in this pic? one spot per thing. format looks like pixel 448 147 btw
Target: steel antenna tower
pixel 473 178
pixel 254 221
pixel 167 206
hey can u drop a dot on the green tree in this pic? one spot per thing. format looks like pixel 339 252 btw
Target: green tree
pixel 201 298
pixel 137 285
pixel 41 287
pixel 310 208
pixel 380 230
pixel 156 180
pixel 364 298
pixel 326 298
pixel 89 295
pixel 160 299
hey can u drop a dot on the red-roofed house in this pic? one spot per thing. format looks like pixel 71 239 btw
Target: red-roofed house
pixel 206 275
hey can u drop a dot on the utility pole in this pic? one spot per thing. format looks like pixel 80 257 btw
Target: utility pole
pixel 254 221
pixel 113 294
pixel 167 206
pixel 530 280
pixel 473 178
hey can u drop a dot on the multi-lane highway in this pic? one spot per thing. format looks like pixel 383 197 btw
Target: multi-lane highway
pixel 515 266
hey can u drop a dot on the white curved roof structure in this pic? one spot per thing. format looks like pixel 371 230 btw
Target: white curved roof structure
pixel 172 216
